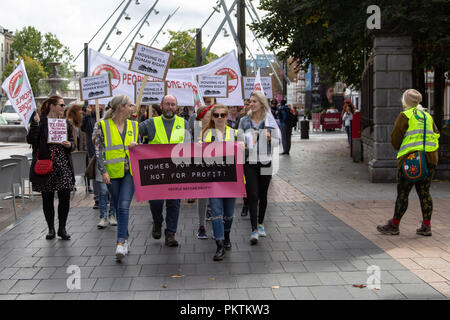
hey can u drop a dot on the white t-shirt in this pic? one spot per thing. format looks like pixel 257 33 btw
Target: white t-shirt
pixel 347 118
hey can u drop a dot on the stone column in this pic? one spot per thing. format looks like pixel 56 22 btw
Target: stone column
pixel 392 76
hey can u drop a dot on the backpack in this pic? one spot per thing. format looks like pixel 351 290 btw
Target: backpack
pixel 291 119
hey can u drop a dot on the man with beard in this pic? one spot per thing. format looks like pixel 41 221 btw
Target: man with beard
pixel 166 129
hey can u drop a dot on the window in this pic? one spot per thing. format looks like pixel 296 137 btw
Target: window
pixel 2 63
pixel 2 47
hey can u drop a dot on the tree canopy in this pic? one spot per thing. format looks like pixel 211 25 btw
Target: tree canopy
pixel 43 48
pixel 178 41
pixel 333 34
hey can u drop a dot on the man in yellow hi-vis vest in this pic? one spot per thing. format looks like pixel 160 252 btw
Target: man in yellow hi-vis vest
pixel 166 129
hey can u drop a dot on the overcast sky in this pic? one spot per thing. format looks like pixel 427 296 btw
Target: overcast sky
pixel 76 21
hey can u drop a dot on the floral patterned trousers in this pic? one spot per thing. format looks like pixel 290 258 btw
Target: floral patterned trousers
pixel 423 191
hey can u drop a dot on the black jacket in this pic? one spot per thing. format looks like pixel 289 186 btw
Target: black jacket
pixel 38 136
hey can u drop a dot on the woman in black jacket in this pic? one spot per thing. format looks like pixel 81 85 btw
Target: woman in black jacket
pixel 61 179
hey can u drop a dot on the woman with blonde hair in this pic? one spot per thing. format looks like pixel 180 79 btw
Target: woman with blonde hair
pixel 262 136
pixel 222 209
pixel 116 135
pixel 408 137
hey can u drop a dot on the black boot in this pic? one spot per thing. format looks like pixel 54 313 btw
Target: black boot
pixel 51 234
pixel 244 212
pixel 220 253
pixel 226 242
pixel 63 234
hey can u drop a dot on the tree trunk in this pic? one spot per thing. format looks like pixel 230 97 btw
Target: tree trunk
pixel 439 85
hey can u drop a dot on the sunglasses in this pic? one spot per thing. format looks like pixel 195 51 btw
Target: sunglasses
pixel 60 104
pixel 219 115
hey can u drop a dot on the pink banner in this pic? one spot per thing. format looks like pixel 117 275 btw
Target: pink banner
pixel 188 171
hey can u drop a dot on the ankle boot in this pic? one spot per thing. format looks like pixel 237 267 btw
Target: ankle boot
pixel 51 234
pixel 63 234
pixel 220 253
pixel 226 242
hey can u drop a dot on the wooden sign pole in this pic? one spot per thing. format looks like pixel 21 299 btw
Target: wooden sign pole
pixel 141 93
pixel 97 110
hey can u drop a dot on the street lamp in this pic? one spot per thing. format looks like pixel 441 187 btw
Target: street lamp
pixel 156 12
pixel 140 35
pixel 118 32
pixel 137 2
pixel 108 47
pixel 127 16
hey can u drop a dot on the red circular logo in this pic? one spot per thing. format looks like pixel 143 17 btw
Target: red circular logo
pixel 113 72
pixel 233 78
pixel 15 85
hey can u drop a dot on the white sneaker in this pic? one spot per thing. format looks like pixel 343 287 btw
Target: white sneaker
pixel 102 224
pixel 127 247
pixel 121 252
pixel 112 221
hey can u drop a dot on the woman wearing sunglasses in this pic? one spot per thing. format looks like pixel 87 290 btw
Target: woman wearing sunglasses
pixel 61 179
pixel 222 209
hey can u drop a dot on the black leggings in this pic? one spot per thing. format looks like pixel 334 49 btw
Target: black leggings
pixel 257 186
pixel 423 191
pixel 48 199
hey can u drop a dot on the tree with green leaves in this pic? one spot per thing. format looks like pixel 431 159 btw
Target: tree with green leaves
pixel 45 48
pixel 333 35
pixel 35 71
pixel 178 42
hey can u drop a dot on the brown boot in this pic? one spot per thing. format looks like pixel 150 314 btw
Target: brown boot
pixel 390 228
pixel 170 240
pixel 424 230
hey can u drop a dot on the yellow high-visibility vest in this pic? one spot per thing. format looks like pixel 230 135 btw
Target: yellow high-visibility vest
pixel 413 139
pixel 228 131
pixel 115 149
pixel 177 135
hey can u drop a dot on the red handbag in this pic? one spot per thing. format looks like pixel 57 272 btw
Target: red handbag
pixel 44 167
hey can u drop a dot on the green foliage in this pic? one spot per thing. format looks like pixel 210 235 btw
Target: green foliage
pixel 316 110
pixel 178 41
pixel 333 34
pixel 44 48
pixel 35 71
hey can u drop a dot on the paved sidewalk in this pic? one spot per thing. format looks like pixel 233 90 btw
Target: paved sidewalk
pixel 320 222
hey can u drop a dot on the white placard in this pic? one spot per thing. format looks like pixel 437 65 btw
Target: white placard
pixel 97 87
pixel 154 92
pixel 249 82
pixel 150 61
pixel 213 86
pixel 20 94
pixel 57 130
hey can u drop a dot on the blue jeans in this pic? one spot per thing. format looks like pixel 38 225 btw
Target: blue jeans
pixel 122 191
pixel 222 212
pixel 103 193
pixel 349 135
pixel 172 213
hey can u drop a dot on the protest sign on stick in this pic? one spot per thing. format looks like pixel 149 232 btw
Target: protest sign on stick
pixel 213 86
pixel 150 61
pixel 96 87
pixel 150 93
pixel 248 84
pixel 20 94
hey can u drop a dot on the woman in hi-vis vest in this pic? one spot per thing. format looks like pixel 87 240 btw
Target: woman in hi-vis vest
pixel 222 209
pixel 117 135
pixel 407 137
